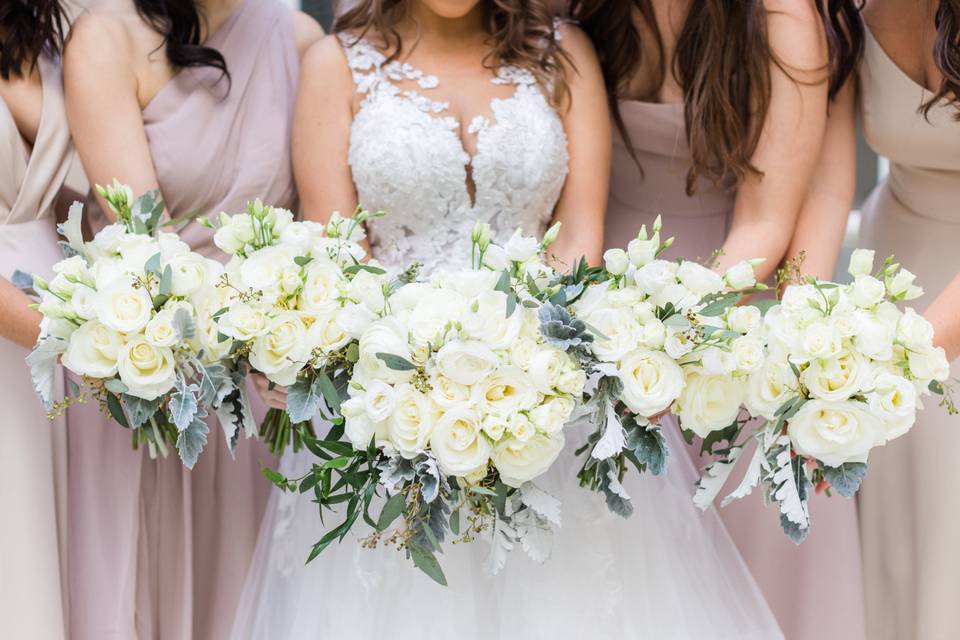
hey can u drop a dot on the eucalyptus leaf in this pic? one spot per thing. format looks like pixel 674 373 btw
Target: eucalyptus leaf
pixel 152 265
pixel 397 363
pixel 116 410
pixel 392 509
pixel 427 562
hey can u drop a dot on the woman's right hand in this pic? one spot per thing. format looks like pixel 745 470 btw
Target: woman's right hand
pixel 276 397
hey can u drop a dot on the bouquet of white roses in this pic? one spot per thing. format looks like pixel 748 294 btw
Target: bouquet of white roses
pixel 129 312
pixel 844 372
pixel 667 335
pixel 456 404
pixel 297 298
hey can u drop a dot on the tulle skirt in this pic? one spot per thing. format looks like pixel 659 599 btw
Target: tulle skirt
pixel 669 571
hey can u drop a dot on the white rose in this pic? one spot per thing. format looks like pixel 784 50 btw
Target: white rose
pixel 546 368
pixel 107 241
pixel 282 351
pixel 300 235
pixel 367 289
pixel 654 333
pixel 651 381
pixel 867 292
pixel 387 337
pixel 160 331
pixel 327 333
pixel 354 319
pixel 522 351
pixel 135 250
pixel 470 284
pixel 262 270
pixel 358 427
pixel 379 400
pixel 75 269
pixel 914 331
pixel 747 353
pixel 621 333
pixel 520 248
pixel 616 261
pixel 465 361
pixel 505 391
pixel 769 387
pixel 874 337
pixel 677 295
pixel 894 401
pixel 572 381
pixel 487 321
pixel 446 393
pixel 189 272
pixel 409 295
pixel 495 427
pixel 819 340
pixel 84 302
pixel 861 262
pixel 929 364
pixel 521 427
pixel 321 288
pixel 716 361
pixel 709 402
pixel 836 378
pixel 520 462
pixel 410 423
pixel 93 351
pixel 433 314
pixel 123 308
pixel 642 252
pixel 652 277
pixel 243 321
pixel 148 371
pixel 551 416
pixel 741 275
pixel 458 442
pixel 743 319
pixel 699 279
pixel 834 432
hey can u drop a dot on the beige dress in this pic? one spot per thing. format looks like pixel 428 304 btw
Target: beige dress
pixel 815 589
pixel 909 509
pixel 32 448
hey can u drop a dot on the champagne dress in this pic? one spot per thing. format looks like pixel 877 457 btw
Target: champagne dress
pixel 909 504
pixel 815 589
pixel 157 551
pixel 32 447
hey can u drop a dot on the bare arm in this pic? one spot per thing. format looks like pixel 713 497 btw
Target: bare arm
pixel 583 201
pixel 103 107
pixel 823 217
pixel 321 132
pixel 306 30
pixel 21 324
pixel 767 206
pixel 944 314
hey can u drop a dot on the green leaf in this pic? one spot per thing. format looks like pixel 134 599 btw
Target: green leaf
pixel 166 282
pixel 511 303
pixel 500 499
pixel 764 305
pixel 503 284
pixel 337 463
pixel 275 477
pixel 116 410
pixel 391 511
pixel 483 491
pixel 309 482
pixel 455 522
pixel 427 562
pixel 719 304
pixel 846 478
pixel 936 387
pixel 153 264
pixel 357 268
pixel 324 386
pixel 302 261
pixel 397 363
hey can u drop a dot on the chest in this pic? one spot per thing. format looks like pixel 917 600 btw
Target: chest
pixel 906 31
pixel 23 99
pixel 654 80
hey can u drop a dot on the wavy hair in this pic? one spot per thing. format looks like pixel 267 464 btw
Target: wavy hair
pixel 30 28
pixel 522 32
pixel 946 55
pixel 179 22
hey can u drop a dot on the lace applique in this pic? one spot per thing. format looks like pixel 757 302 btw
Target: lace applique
pixel 410 162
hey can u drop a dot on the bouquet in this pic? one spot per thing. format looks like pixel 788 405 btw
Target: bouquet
pixel 455 405
pixel 844 371
pixel 129 313
pixel 297 298
pixel 667 335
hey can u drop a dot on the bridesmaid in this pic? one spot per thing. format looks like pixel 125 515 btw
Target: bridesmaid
pixel 35 156
pixel 193 97
pixel 721 109
pixel 909 101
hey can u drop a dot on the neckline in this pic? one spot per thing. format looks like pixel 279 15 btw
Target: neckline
pixel 872 39
pixel 212 40
pixel 43 127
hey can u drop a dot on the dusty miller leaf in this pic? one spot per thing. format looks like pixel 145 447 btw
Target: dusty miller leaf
pixel 713 479
pixel 303 402
pixel 191 442
pixel 787 490
pixel 183 405
pixel 541 503
pixel 750 479
pixel 43 367
pixel 846 478
pixel 613 439
pixel 139 410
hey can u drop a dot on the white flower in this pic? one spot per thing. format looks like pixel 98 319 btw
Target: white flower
pixel 431 316
pixel 820 340
pixel 572 381
pixel 522 351
pixel 546 367
pixel 929 364
pixel 384 336
pixel 367 289
pixel 654 333
pixel 914 331
pixel 148 371
pixel 741 275
pixel 189 272
pixel 496 258
pixel 487 320
pixel 867 292
pixel 551 416
pixel 520 462
pixel 743 319
pixel 75 269
pixel 160 331
pixel 616 261
pixel 652 277
pixel 901 284
pixel 769 387
pixel 677 295
pixel 621 333
pixel 495 427
pixel 677 343
pixel 874 337
pixel 747 353
pixel 651 381
pixel 642 252
pixel 327 333
pixel 861 262
pixel 466 362
pixel 521 427
pixel 446 393
pixel 835 378
pixel 699 279
pixel 83 302
pixel 458 443
pixel 521 248
pixel 354 319
pixel 262 270
pixel 123 308
pixel 834 432
pixel 322 286
pixel 410 423
pixel 893 400
pixel 282 351
pixel 93 351
pixel 379 400
pixel 243 321
pixel 357 425
pixel 709 402
pixel 716 361
pixel 505 391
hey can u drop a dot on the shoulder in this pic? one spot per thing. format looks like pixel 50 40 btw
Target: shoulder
pixel 796 33
pixel 579 50
pixel 326 62
pixel 102 36
pixel 306 31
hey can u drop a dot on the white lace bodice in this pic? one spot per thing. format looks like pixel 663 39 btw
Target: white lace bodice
pixel 407 159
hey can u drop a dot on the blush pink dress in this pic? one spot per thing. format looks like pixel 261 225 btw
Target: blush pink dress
pixel 815 590
pixel 909 507
pixel 157 551
pixel 33 449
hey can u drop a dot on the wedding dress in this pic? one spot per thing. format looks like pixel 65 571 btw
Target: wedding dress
pixel 667 572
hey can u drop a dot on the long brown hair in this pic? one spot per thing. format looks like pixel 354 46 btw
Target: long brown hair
pixel 30 29
pixel 522 32
pixel 722 62
pixel 946 55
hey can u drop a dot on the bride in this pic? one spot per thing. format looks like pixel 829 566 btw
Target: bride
pixel 445 112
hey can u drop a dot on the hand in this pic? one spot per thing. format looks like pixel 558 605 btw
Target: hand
pixel 275 398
